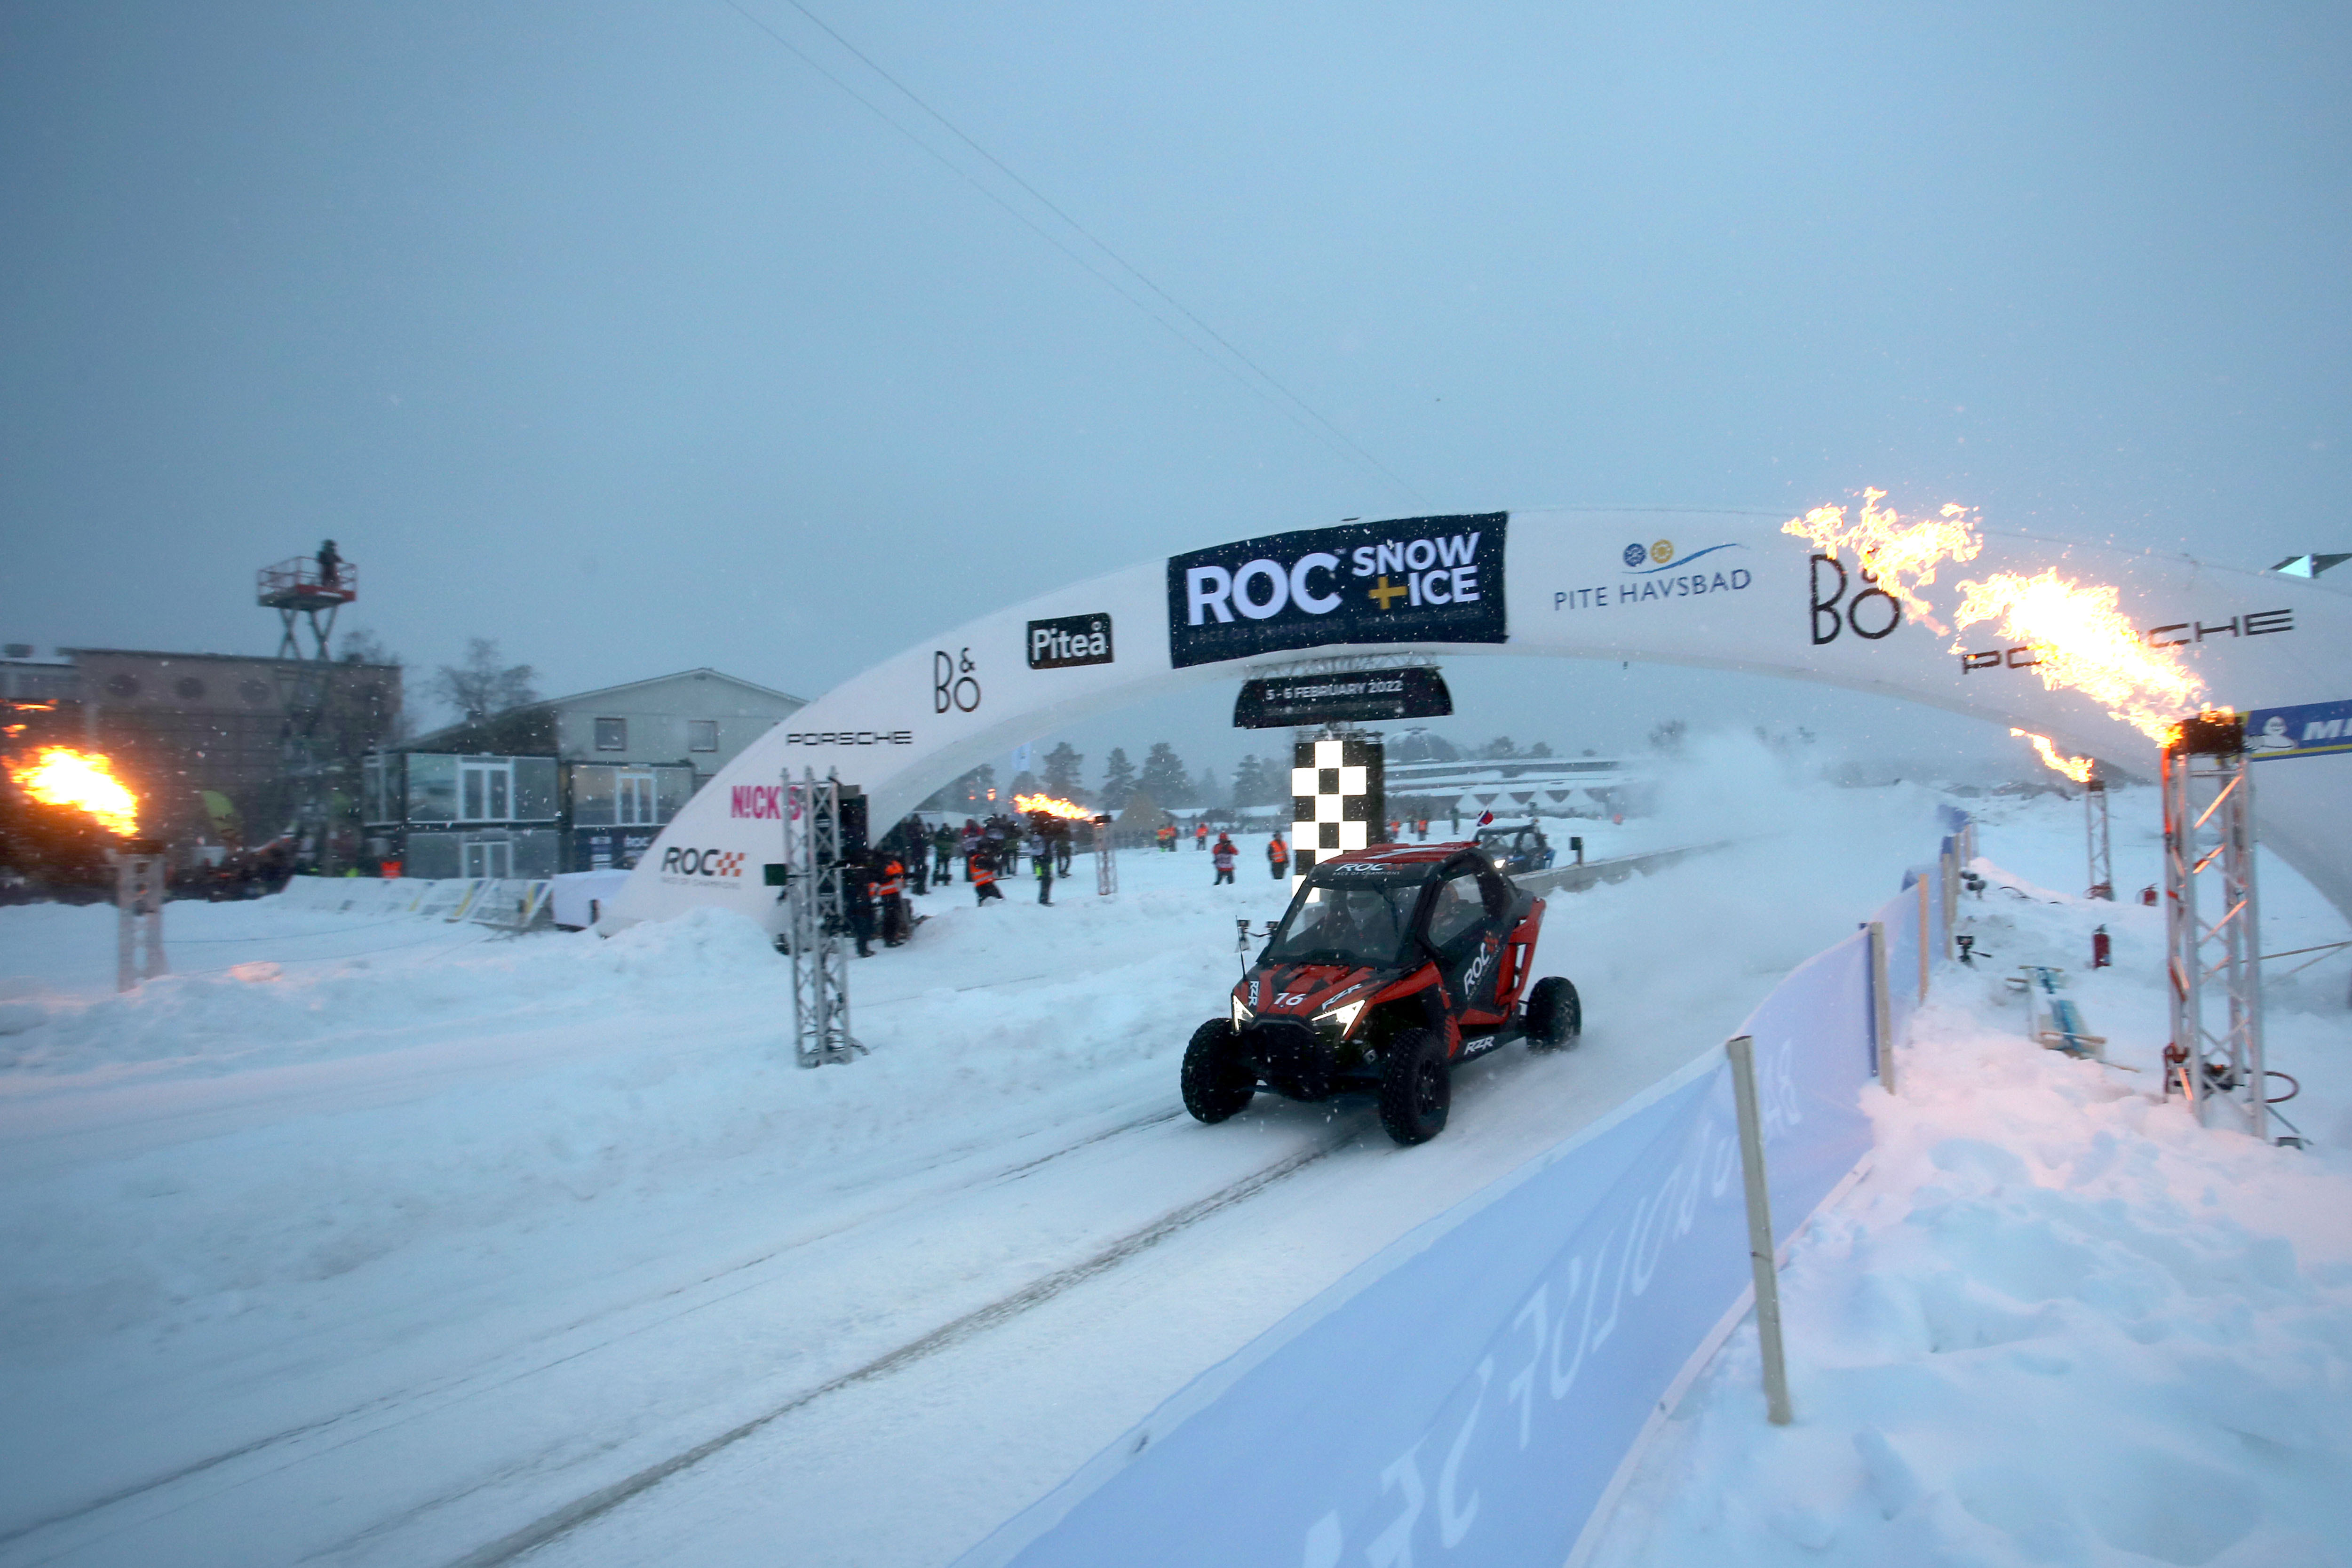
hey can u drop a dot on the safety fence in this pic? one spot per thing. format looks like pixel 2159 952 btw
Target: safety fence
pixel 1483 1386
pixel 512 902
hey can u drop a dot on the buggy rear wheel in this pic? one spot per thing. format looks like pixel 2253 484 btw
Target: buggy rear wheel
pixel 1217 1082
pixel 1554 1015
pixel 1416 1088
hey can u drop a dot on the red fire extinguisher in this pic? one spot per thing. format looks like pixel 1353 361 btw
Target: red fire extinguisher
pixel 2100 949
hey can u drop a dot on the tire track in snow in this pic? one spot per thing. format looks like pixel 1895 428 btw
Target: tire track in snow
pixel 561 1522
pixel 427 1398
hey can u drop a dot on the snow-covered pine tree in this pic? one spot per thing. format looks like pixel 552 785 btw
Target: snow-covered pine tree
pixel 1119 780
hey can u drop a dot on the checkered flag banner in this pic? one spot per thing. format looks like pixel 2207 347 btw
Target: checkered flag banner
pixel 1336 800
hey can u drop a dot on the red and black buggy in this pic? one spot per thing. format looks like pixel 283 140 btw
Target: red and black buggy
pixel 1392 966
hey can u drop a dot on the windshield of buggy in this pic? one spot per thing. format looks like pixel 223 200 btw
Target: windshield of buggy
pixel 1357 915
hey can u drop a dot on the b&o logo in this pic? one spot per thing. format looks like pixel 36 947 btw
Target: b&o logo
pixel 953 685
pixel 1835 613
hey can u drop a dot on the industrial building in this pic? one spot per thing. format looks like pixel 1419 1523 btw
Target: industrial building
pixel 220 747
pixel 571 784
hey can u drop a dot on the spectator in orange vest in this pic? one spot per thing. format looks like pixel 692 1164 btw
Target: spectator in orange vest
pixel 983 879
pixel 890 901
pixel 1278 856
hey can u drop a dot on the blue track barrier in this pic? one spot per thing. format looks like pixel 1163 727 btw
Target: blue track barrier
pixel 1484 1385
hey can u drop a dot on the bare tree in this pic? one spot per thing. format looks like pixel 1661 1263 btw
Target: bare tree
pixel 361 646
pixel 481 685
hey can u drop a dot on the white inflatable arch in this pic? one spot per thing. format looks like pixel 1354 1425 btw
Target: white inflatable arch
pixel 1676 588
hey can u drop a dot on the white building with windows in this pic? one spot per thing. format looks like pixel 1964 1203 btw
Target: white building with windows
pixel 572 783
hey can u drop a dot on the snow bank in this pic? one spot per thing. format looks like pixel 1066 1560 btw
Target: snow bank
pixel 2059 1323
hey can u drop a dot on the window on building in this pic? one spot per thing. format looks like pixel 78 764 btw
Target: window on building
pixel 592 794
pixel 432 788
pixel 534 789
pixel 702 735
pixel 612 735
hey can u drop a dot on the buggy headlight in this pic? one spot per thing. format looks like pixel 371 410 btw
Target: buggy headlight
pixel 1343 1018
pixel 1241 1014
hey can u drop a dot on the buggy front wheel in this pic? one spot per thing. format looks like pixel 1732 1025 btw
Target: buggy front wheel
pixel 1416 1087
pixel 1554 1015
pixel 1217 1082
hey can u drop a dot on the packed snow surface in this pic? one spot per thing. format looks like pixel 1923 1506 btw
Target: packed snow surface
pixel 2059 1321
pixel 386 1241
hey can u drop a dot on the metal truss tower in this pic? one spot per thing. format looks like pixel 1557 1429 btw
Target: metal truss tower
pixel 2214 966
pixel 2095 821
pixel 816 920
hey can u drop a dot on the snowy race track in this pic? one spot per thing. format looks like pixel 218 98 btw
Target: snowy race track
pixel 453 1251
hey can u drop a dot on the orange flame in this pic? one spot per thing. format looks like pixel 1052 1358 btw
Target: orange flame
pixel 13 731
pixel 59 775
pixel 2075 768
pixel 2085 645
pixel 1053 807
pixel 1900 555
pixel 2082 641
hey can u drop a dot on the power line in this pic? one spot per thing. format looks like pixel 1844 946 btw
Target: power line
pixel 1321 429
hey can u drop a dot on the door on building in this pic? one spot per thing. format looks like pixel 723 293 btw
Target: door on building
pixel 485 789
pixel 489 859
pixel 634 802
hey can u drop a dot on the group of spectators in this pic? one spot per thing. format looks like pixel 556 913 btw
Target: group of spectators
pixel 912 856
pixel 907 859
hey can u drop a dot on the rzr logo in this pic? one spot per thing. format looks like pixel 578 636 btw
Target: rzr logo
pixel 702 862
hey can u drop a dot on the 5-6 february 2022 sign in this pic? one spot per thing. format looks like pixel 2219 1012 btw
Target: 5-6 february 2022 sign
pixel 1419 579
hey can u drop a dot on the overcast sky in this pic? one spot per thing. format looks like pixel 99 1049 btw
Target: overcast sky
pixel 621 334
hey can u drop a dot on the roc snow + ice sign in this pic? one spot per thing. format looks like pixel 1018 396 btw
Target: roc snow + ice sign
pixel 1418 579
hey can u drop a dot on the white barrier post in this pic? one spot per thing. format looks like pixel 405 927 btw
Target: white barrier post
pixel 1925 936
pixel 1882 1008
pixel 1742 1051
pixel 139 894
pixel 1952 900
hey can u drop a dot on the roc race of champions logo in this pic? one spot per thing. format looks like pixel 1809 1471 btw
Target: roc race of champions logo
pixel 1418 579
